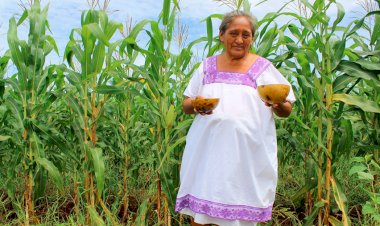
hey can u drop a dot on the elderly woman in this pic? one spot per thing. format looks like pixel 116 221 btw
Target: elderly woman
pixel 229 165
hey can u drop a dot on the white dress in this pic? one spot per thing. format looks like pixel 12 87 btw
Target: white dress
pixel 229 167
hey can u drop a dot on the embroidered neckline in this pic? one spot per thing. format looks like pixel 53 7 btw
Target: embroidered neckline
pixel 233 72
pixel 211 74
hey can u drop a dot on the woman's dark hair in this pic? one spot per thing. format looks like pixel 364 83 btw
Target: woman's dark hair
pixel 228 17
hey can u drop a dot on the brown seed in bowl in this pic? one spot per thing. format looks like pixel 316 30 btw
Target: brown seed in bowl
pixel 206 104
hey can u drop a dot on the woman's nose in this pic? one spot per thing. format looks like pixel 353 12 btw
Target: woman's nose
pixel 239 39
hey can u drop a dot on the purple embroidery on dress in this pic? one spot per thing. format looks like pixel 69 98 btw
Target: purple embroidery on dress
pixel 209 70
pixel 224 211
pixel 248 78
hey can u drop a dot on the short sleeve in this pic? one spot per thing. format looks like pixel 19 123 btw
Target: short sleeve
pixel 272 76
pixel 194 87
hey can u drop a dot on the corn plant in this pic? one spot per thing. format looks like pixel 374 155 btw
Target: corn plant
pixel 367 58
pixel 116 128
pixel 3 113
pixel 366 167
pixel 3 67
pixel 125 86
pixel 29 100
pixel 320 60
pixel 164 74
pixel 93 53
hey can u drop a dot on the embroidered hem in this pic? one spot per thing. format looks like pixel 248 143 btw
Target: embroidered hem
pixel 224 211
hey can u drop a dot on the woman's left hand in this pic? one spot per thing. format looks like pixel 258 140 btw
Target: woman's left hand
pixel 282 109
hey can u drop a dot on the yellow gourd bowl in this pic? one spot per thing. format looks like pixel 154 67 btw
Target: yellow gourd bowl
pixel 273 93
pixel 206 104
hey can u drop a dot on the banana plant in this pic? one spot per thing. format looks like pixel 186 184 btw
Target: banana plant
pixel 89 54
pixel 31 94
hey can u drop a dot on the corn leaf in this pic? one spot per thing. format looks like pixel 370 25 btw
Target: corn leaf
pixel 334 221
pixel 355 70
pixel 15 107
pixel 365 176
pixel 98 163
pixel 170 149
pixel 165 12
pixel 98 33
pixel 24 15
pixel 356 169
pixel 374 66
pixel 170 117
pixel 50 134
pixel 309 6
pixel 53 43
pixel 339 17
pixel 111 28
pixel 376 35
pixel 343 144
pixel 209 33
pixel 341 82
pixel 308 221
pixel 137 29
pixel 40 180
pixel 359 101
pixel 4 138
pixel 74 105
pixel 338 49
pixel 41 82
pixel 13 43
pixel 267 42
pixel 359 23
pixel 16 88
pixel 171 26
pixel 52 170
pixel 98 58
pixel 105 89
pixel 341 200
pixel 95 218
pixel 156 58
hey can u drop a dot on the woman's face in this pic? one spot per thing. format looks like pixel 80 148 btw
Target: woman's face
pixel 237 38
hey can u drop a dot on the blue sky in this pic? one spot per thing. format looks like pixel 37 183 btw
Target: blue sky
pixel 64 15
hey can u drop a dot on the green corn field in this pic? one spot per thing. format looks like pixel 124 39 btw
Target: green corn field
pixel 98 139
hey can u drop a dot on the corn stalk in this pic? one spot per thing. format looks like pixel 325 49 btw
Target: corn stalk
pixel 162 75
pixel 94 52
pixel 29 101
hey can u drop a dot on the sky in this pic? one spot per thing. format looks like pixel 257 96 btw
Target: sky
pixel 64 15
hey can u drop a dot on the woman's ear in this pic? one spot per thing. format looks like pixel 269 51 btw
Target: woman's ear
pixel 221 37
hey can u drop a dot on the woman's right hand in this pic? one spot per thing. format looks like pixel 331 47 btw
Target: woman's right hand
pixel 188 107
pixel 209 112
